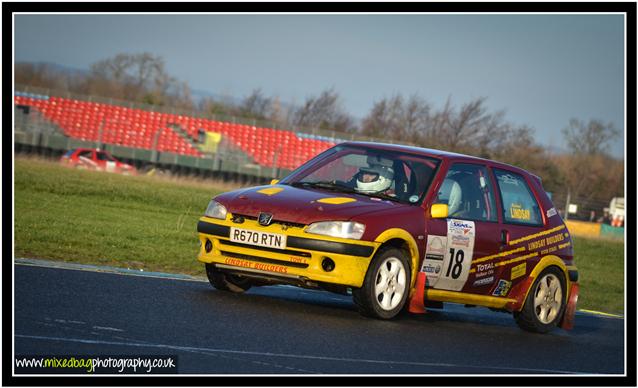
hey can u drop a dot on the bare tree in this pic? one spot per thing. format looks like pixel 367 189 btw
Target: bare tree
pixel 472 127
pixel 256 105
pixel 40 75
pixel 138 77
pixel 398 119
pixel 590 138
pixel 324 112
pixel 590 173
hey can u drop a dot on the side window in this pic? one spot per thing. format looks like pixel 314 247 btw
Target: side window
pixel 468 192
pixel 86 154
pixel 519 204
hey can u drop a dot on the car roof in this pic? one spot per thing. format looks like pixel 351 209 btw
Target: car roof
pixel 87 149
pixel 453 156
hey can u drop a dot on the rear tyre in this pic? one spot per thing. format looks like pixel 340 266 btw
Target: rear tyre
pixel 545 302
pixel 386 285
pixel 227 282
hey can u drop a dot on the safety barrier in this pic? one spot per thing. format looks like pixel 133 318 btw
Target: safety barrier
pixel 592 229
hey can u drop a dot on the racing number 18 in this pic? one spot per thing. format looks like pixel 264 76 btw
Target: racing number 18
pixel 458 263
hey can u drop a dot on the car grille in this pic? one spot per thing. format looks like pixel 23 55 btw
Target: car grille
pixel 276 222
pixel 275 250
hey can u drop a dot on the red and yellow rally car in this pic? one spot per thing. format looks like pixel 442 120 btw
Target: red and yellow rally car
pixel 399 227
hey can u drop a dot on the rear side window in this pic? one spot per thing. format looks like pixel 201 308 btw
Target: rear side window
pixel 519 204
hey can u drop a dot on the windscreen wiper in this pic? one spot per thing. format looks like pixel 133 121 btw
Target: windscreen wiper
pixel 381 196
pixel 325 185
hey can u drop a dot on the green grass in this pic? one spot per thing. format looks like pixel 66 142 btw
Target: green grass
pixel 601 274
pixel 150 223
pixel 101 218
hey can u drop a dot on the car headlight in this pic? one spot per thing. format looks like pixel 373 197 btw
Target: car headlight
pixel 343 229
pixel 216 210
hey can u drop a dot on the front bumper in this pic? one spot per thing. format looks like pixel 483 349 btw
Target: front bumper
pixel 300 262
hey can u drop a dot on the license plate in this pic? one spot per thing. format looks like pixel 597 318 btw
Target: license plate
pixel 262 239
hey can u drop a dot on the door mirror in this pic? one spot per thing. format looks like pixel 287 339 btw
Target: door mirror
pixel 274 181
pixel 439 210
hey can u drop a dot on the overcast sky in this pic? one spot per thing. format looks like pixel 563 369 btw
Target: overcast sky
pixel 541 69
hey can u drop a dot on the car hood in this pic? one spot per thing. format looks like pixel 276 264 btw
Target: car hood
pixel 302 205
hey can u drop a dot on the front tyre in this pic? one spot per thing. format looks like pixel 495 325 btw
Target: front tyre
pixel 545 302
pixel 386 285
pixel 226 282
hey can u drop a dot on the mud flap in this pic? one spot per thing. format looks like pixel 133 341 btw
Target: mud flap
pixel 417 304
pixel 567 322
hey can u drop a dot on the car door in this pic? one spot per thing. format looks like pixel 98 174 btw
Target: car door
pixel 470 231
pixel 523 227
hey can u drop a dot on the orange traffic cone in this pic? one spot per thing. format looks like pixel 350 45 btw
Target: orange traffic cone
pixel 417 304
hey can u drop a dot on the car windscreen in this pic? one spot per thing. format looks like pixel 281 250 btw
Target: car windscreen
pixel 395 176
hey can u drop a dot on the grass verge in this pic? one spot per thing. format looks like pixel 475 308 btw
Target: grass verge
pixel 100 218
pixel 601 272
pixel 150 223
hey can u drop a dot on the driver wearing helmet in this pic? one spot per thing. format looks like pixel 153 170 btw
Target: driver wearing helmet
pixel 375 179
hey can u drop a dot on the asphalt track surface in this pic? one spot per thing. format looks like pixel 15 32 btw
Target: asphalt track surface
pixel 286 330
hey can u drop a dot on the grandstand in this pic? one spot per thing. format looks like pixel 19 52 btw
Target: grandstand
pixel 180 134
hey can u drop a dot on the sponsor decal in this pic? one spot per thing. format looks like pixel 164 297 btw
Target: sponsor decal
pixel 484 273
pixel 435 269
pixel 436 245
pixel 460 227
pixel 483 282
pixel 555 239
pixel 536 244
pixel 518 271
pixel 551 212
pixel 457 258
pixel 543 242
pixel 461 240
pixel 517 212
pixel 259 266
pixel 502 288
pixel 295 259
pixel 565 245
pixel 435 249
pixel 484 267
pixel 539 234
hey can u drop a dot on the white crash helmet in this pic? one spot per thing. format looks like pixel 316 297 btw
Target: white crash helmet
pixel 382 181
pixel 451 192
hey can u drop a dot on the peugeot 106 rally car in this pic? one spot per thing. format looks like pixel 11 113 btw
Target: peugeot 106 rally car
pixel 399 227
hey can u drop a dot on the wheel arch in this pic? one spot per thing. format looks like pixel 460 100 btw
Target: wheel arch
pixel 402 239
pixel 544 263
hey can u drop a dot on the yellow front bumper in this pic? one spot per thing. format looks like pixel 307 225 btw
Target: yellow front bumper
pixel 301 260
